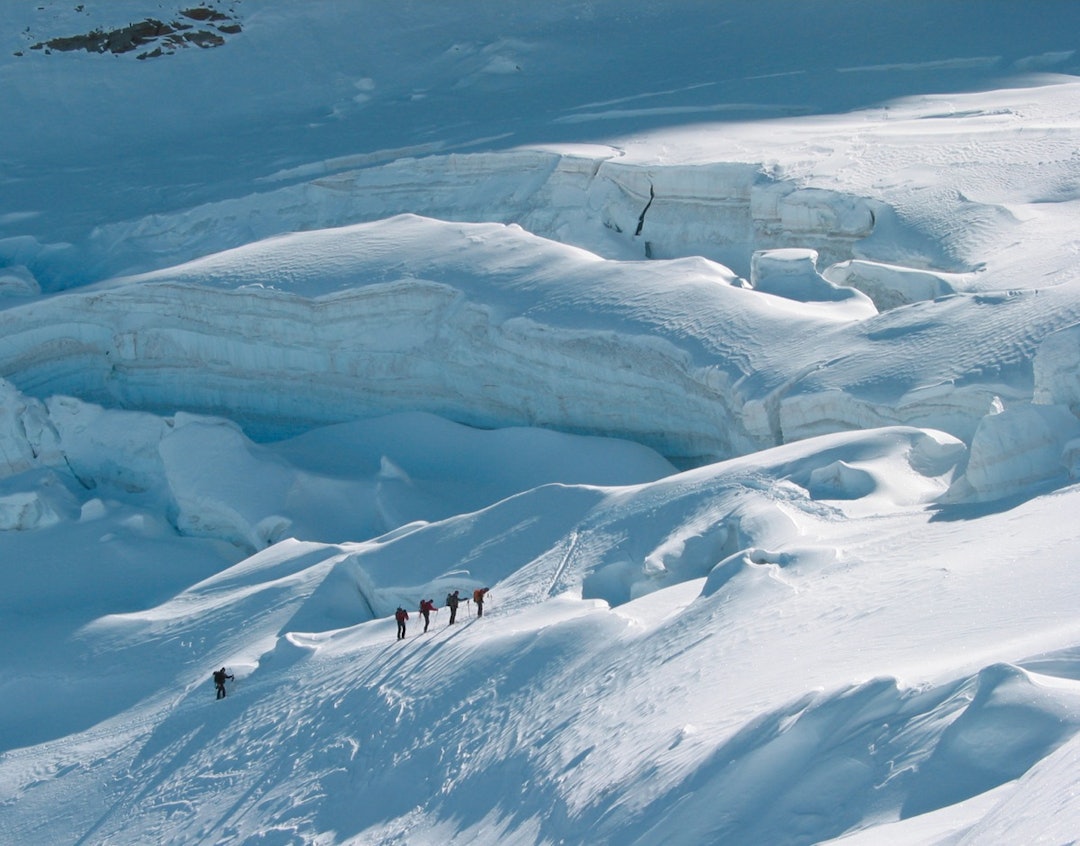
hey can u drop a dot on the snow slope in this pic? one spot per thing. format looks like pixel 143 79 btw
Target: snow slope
pixel 733 346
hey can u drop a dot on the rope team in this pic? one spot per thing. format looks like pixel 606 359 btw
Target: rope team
pixel 427 606
pixel 453 600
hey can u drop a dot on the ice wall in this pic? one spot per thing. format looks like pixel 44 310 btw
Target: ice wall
pixel 335 483
pixel 1030 443
pixel 491 326
pixel 588 198
pixel 1057 369
pixel 282 364
pixel 26 435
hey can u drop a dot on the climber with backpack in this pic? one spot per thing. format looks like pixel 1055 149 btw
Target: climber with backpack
pixel 219 681
pixel 401 615
pixel 478 597
pixel 426 607
pixel 452 600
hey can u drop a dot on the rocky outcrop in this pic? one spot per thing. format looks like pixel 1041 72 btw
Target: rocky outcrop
pixel 154 37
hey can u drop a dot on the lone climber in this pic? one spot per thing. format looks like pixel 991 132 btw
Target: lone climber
pixel 219 681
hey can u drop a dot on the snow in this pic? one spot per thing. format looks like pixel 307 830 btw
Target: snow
pixel 733 346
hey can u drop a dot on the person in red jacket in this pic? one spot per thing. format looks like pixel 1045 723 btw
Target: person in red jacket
pixel 426 607
pixel 478 597
pixel 401 615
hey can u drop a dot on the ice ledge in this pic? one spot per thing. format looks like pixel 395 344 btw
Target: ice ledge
pixel 491 326
pixel 722 211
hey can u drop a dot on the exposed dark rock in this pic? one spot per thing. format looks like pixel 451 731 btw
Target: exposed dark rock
pixel 165 38
pixel 204 38
pixel 202 13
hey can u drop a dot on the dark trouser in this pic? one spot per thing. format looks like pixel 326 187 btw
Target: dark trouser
pixel 401 629
pixel 453 613
pixel 221 691
pixel 479 609
pixel 427 619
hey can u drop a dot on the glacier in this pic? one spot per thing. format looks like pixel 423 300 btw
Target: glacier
pixel 732 346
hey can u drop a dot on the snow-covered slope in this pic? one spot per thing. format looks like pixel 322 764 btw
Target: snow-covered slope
pixel 732 345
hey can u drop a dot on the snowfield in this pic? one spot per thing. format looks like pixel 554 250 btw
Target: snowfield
pixel 733 346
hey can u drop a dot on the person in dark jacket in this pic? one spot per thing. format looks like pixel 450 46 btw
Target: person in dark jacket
pixel 426 607
pixel 219 681
pixel 401 615
pixel 452 600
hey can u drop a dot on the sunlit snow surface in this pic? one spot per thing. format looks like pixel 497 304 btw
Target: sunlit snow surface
pixel 732 345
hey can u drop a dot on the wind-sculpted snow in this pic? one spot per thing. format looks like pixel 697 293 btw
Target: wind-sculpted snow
pixel 379 301
pixel 384 737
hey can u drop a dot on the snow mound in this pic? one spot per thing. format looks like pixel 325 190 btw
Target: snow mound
pixel 890 286
pixel 793 274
